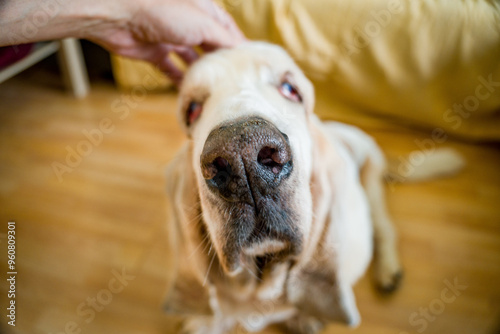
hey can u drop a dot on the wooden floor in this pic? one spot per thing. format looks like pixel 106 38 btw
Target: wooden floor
pixel 104 217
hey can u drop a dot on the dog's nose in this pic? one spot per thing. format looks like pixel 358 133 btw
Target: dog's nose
pixel 245 159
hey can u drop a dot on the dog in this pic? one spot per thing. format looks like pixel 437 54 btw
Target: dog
pixel 273 215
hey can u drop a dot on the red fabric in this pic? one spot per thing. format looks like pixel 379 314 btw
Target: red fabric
pixel 11 54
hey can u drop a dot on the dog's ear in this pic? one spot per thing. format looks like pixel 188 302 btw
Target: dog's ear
pixel 186 294
pixel 316 286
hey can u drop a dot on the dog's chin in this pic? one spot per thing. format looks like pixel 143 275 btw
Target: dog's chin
pixel 255 238
pixel 261 257
pixel 257 263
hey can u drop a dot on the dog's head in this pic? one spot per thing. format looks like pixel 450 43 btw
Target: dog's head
pixel 246 111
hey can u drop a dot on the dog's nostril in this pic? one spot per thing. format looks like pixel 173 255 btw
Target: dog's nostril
pixel 271 158
pixel 209 171
pixel 217 168
pixel 218 172
pixel 220 163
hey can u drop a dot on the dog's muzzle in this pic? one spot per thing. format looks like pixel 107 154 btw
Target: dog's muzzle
pixel 247 164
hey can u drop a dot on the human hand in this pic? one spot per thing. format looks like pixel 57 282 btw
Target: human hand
pixel 141 29
pixel 151 29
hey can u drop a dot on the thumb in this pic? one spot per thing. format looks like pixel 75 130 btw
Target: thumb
pixel 220 29
pixel 216 35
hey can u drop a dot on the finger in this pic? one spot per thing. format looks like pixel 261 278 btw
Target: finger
pixel 144 51
pixel 187 54
pixel 158 55
pixel 215 35
pixel 208 47
pixel 223 18
pixel 171 70
pixel 228 22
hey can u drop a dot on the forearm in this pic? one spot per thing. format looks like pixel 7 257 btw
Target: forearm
pixel 24 21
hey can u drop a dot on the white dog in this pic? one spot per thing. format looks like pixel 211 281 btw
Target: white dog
pixel 274 215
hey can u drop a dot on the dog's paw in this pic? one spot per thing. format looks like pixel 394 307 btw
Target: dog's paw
pixel 389 281
pixel 388 272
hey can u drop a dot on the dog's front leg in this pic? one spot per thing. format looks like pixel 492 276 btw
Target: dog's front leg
pixel 388 271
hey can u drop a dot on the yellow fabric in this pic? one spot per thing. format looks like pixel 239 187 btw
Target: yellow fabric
pixel 130 73
pixel 427 62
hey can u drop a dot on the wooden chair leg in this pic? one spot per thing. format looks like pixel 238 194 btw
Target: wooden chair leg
pixel 73 67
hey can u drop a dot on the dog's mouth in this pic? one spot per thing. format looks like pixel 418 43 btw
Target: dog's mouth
pixel 263 263
pixel 258 265
pixel 265 254
pixel 257 238
pixel 266 247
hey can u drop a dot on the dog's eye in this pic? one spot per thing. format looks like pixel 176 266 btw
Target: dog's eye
pixel 290 92
pixel 193 112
